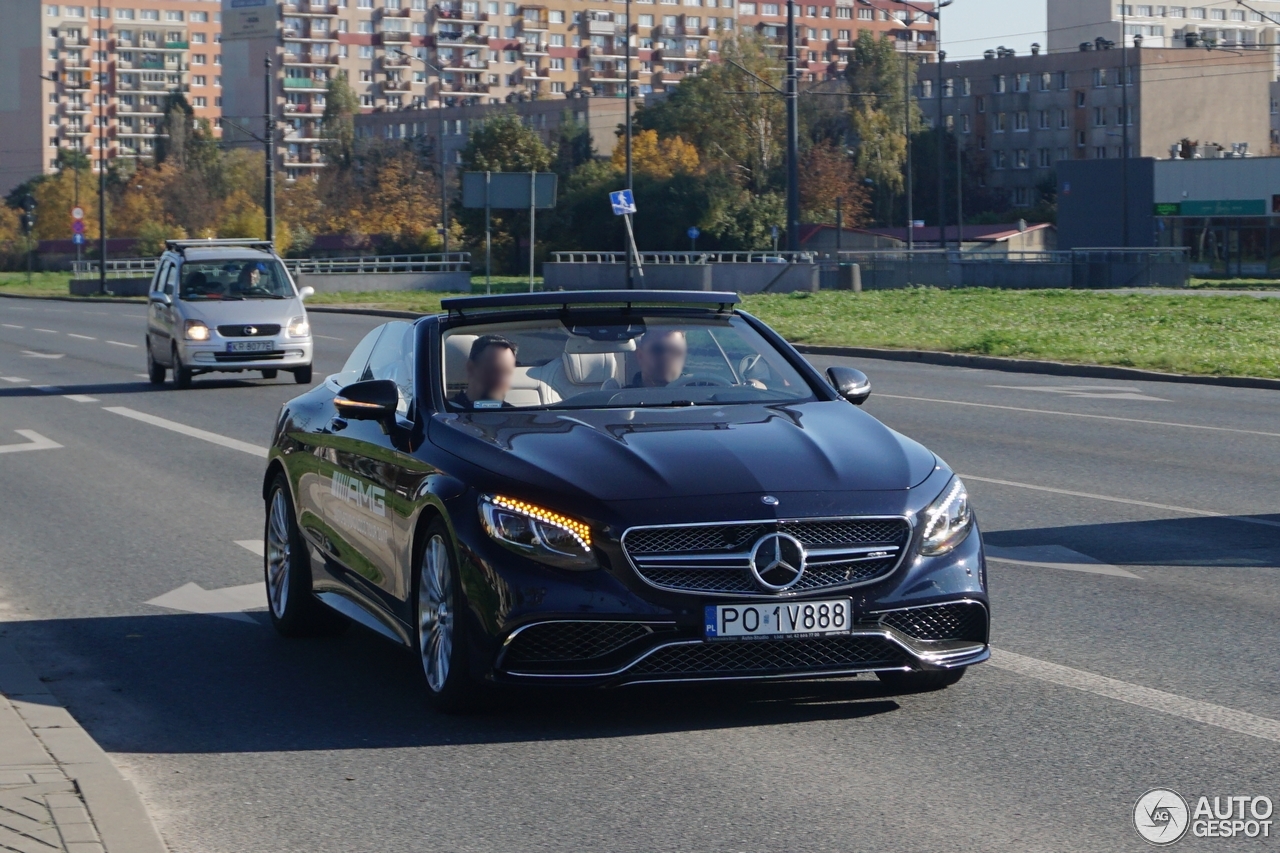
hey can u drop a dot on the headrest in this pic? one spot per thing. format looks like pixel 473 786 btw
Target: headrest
pixel 580 344
pixel 457 349
pixel 589 368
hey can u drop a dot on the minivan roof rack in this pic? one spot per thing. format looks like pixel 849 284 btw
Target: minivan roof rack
pixel 211 243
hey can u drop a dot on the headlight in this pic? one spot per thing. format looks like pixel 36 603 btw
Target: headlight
pixel 947 520
pixel 197 331
pixel 541 534
pixel 299 328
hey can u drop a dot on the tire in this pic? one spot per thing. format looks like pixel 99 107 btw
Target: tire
pixel 181 375
pixel 286 570
pixel 155 370
pixel 918 681
pixel 302 375
pixel 439 630
pixel 270 374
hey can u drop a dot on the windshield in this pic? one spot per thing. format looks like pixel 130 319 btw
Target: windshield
pixel 605 362
pixel 235 279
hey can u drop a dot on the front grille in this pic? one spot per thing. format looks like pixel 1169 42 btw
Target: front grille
pixel 243 330
pixel 273 355
pixel 960 621
pixel 715 558
pixel 770 656
pixel 572 641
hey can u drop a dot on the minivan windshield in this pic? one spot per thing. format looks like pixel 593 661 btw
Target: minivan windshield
pixel 612 361
pixel 247 278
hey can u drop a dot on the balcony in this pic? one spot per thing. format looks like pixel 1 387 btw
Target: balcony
pixel 305 83
pixel 76 84
pixel 308 58
pixel 312 9
pixel 461 15
pixel 137 109
pixel 534 25
pixel 608 75
pixel 459 88
pixel 76 131
pixel 395 13
pixel 396 61
pixel 397 86
pixel 77 109
pixel 533 48
pixel 601 28
pixel 459 38
pixel 75 41
pixel 527 73
pixel 76 64
pixel 176 45
pixel 297 108
pixel 395 37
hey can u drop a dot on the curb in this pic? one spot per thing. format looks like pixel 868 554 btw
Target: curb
pixel 45 735
pixel 106 300
pixel 1027 365
pixel 372 312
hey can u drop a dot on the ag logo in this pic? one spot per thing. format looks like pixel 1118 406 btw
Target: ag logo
pixel 777 562
pixel 1161 816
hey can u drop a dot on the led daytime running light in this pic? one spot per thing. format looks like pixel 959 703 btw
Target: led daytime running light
pixel 576 529
pixel 941 513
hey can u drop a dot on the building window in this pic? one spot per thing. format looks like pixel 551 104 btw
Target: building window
pixel 964 123
pixel 1046 81
pixel 998 84
pixel 980 103
pixel 1022 83
pixel 1062 119
pixel 1021 197
pixel 1099 116
pixel 999 159
pixel 1099 78
pixel 1021 123
pixel 998 123
pixel 1044 120
pixel 1046 158
pixel 1100 152
pixel 1080 140
pixel 1079 100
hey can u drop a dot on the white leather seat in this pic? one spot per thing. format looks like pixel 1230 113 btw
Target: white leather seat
pixel 585 365
pixel 526 389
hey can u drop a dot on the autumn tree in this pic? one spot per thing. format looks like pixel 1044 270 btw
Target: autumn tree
pixel 656 157
pixel 504 144
pixel 338 125
pixel 827 174
pixel 879 115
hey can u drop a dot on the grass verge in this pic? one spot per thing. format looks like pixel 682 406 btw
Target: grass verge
pixel 42 283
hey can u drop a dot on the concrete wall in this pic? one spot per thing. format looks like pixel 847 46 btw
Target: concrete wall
pixel 1246 179
pixel 115 286
pixel 1226 100
pixel 23 148
pixel 1090 213
pixel 740 278
pixel 1074 21
pixel 444 282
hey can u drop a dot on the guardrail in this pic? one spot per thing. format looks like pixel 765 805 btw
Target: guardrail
pixel 451 262
pixel 119 268
pixel 659 258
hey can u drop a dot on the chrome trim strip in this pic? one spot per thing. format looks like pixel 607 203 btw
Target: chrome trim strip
pixel 357 612
pixel 502 653
pixel 908 518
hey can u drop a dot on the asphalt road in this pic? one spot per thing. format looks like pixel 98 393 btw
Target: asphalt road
pixel 1135 625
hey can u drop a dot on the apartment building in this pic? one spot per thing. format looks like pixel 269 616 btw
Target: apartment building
pixel 1025 114
pixel 94 78
pixel 1226 24
pixel 414 55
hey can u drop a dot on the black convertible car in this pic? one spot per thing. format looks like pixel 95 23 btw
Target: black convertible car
pixel 615 487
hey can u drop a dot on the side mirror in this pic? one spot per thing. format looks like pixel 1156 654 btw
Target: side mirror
pixel 371 400
pixel 161 297
pixel 852 384
pixel 307 292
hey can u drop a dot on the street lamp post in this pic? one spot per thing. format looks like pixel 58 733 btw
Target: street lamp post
pixel 627 36
pixel 269 142
pixel 101 93
pixel 444 182
pixel 793 135
pixel 1124 123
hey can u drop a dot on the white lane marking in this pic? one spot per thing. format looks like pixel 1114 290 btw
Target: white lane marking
pixel 327 337
pixel 81 337
pixel 33 354
pixel 80 398
pixel 229 602
pixel 1144 697
pixel 203 435
pixel 1100 392
pixel 11 326
pixel 14 379
pixel 1082 415
pixel 142 376
pixel 254 545
pixel 47 331
pixel 1056 557
pixel 122 344
pixel 34 441
pixel 1183 509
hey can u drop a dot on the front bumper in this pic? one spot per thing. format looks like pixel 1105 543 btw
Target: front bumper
pixel 607 627
pixel 206 356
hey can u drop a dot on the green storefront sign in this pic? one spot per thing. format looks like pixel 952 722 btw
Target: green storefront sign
pixel 1237 207
pixel 1174 209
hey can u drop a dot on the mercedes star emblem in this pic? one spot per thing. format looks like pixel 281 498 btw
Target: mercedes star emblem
pixel 777 562
pixel 769 500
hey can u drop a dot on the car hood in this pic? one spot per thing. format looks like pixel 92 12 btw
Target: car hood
pixel 216 312
pixel 629 454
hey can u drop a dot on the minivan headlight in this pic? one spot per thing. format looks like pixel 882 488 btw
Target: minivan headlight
pixel 538 533
pixel 196 331
pixel 947 520
pixel 299 328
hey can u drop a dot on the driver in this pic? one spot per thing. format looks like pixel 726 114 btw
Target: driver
pixel 250 276
pixel 661 354
pixel 490 368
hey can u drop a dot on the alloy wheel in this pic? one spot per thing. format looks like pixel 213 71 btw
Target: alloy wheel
pixel 279 554
pixel 435 613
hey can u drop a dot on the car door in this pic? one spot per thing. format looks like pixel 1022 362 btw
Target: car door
pixel 170 315
pixel 157 328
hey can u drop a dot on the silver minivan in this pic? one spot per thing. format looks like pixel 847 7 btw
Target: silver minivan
pixel 225 306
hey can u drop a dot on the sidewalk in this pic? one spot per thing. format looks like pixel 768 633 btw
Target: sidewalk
pixel 58 790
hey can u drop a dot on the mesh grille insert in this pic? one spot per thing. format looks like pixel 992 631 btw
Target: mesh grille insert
pixel 962 621
pixel 572 641
pixel 765 656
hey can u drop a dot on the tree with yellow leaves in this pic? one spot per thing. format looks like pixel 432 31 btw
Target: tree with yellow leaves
pixel 656 157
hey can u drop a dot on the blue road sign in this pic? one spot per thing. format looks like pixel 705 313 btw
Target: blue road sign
pixel 77 226
pixel 774 232
pixel 77 238
pixel 693 232
pixel 623 202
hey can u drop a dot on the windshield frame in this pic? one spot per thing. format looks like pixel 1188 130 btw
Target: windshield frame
pixel 818 387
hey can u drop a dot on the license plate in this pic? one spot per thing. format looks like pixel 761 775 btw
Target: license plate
pixel 783 619
pixel 251 346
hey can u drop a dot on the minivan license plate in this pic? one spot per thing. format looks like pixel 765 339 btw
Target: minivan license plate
pixel 251 346
pixel 783 619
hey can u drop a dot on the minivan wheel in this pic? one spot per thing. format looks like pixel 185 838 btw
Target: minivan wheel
pixel 181 375
pixel 155 370
pixel 302 375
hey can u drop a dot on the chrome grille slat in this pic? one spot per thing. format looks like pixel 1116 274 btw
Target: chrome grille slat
pixel 715 558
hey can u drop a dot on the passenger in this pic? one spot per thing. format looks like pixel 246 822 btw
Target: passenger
pixel 197 285
pixel 491 366
pixel 661 354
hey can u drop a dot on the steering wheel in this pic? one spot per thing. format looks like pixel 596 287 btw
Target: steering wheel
pixel 700 379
